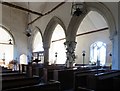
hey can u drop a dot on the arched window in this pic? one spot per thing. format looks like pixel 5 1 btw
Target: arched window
pixel 6 47
pixel 23 59
pixel 57 53
pixel 98 53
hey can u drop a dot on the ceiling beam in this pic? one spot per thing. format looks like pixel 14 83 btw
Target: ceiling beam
pixel 47 12
pixel 21 8
pixel 6 43
pixel 89 32
pixel 33 12
pixel 93 31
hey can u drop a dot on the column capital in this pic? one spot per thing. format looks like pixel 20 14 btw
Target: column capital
pixel 46 47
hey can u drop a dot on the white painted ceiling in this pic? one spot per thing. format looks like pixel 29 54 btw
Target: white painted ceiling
pixel 40 7
pixel 91 22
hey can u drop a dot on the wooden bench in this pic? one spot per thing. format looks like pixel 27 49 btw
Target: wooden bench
pixel 105 81
pixel 84 89
pixel 66 77
pixel 116 83
pixel 13 75
pixel 4 70
pixel 49 86
pixel 19 82
pixel 81 78
pixel 102 81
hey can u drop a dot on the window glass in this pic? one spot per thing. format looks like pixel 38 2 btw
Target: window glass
pixel 98 52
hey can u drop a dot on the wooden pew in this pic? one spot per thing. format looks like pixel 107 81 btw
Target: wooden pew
pixel 32 69
pixel 84 89
pixel 13 75
pixel 103 81
pixel 5 70
pixel 66 78
pixel 116 83
pixel 49 86
pixel 9 71
pixel 100 81
pixel 19 82
pixel 80 78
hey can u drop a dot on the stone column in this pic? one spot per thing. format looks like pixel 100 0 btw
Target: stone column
pixel 46 56
pixel 70 47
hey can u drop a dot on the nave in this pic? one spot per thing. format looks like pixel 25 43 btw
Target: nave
pixel 59 78
pixel 59 46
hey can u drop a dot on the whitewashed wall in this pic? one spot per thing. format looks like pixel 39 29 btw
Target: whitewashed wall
pixel 84 42
pixel 15 21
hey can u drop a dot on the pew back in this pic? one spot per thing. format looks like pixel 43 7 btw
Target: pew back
pixel 49 86
pixel 19 82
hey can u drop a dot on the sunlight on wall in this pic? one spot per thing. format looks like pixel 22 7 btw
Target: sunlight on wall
pixel 57 47
pixel 6 50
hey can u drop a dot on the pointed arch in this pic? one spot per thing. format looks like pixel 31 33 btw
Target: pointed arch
pixel 89 31
pixel 96 6
pixel 9 32
pixel 107 14
pixel 49 30
pixel 7 49
pixel 48 35
pixel 38 33
pixel 57 52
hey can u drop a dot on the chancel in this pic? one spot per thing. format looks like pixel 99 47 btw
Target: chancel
pixel 59 46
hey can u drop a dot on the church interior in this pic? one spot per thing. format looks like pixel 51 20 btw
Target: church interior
pixel 59 46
